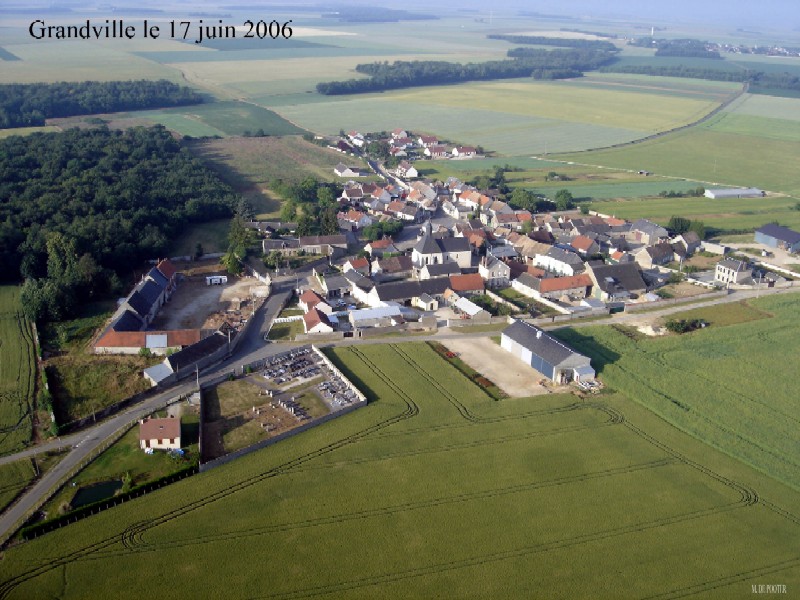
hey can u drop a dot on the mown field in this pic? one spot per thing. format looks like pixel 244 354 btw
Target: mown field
pixel 434 490
pixel 719 384
pixel 17 373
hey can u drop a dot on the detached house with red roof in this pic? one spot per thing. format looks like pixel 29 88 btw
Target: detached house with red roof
pixel 160 434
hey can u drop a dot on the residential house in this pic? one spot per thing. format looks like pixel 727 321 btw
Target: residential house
pixel 394 267
pixel 656 255
pixel 733 271
pixel 328 245
pixel 380 247
pixel 160 434
pixel 426 141
pixel 310 299
pixel 360 265
pixel 494 271
pixel 647 232
pixel 422 294
pixel 776 236
pixel 467 285
pixel 436 151
pixel 356 219
pixel 334 286
pixel 342 170
pixel 549 356
pixel 464 152
pixel 315 321
pixel 406 170
pixel 430 250
pixel 616 282
pixel 438 270
pixel 554 288
pixel 286 246
pixel 584 246
pixel 689 240
pixel 560 262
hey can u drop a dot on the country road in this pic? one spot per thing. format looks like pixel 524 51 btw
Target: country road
pixel 253 349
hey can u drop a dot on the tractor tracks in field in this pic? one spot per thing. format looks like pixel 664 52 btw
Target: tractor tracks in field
pixel 132 537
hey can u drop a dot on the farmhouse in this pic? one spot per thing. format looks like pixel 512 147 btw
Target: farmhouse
pixel 776 236
pixel 734 193
pixel 329 245
pixel 552 358
pixel 342 170
pixel 616 282
pixel 315 321
pixel 160 434
pixel 733 271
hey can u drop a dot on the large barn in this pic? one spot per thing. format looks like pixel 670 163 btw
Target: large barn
pixel 552 358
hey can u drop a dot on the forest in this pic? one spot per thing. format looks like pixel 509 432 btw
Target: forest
pixel 686 48
pixel 525 62
pixel 81 208
pixel 27 105
pixel 756 79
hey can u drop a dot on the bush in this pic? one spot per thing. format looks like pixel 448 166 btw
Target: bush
pixel 684 325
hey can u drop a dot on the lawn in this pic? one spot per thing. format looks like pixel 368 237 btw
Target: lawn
pixel 434 490
pixel 17 373
pixel 713 383
pixel 80 382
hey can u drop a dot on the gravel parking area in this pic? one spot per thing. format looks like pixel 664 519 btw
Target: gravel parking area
pixel 514 378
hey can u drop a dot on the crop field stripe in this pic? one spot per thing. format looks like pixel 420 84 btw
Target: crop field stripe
pixel 394 509
pixel 132 536
pixel 486 559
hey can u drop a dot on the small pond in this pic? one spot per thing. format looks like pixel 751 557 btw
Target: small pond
pixel 95 492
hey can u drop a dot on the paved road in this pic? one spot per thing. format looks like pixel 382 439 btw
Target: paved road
pixel 252 349
pixel 83 444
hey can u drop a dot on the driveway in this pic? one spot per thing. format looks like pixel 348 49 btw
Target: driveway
pixel 511 375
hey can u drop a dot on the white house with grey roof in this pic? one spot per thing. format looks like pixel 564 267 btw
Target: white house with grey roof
pixel 731 271
pixel 551 357
pixel 560 262
pixel 432 251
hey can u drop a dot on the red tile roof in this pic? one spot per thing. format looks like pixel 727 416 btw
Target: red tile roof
pixel 310 298
pixel 381 244
pixel 160 429
pixel 167 268
pixel 313 318
pixel 555 284
pixel 359 263
pixel 582 242
pixel 466 283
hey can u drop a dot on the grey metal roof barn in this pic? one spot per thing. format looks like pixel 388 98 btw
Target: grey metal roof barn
pixel 549 356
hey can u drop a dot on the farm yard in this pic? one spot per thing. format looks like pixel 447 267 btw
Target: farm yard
pixel 17 373
pixel 439 490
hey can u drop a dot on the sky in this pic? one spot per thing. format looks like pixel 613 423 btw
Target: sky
pixel 780 14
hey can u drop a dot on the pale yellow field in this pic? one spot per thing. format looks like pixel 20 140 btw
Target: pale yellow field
pixel 560 100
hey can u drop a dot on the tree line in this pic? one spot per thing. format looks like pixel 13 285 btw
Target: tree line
pixel 538 40
pixel 687 48
pixel 755 79
pixel 525 62
pixel 26 105
pixel 80 208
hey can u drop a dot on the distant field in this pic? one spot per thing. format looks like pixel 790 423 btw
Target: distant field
pixel 708 153
pixel 619 189
pixel 72 61
pixel 725 215
pixel 215 118
pixel 17 373
pixel 767 106
pixel 710 382
pixel 511 117
pixel 434 490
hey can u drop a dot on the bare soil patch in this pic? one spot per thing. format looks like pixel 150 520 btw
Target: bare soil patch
pixel 509 374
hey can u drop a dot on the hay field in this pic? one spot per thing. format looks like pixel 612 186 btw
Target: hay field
pixel 434 490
